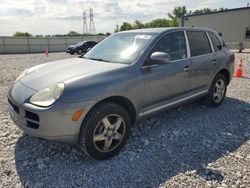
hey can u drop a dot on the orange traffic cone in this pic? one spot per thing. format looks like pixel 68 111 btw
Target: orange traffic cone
pixel 46 52
pixel 238 72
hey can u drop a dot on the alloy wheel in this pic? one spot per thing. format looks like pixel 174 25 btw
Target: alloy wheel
pixel 109 133
pixel 219 90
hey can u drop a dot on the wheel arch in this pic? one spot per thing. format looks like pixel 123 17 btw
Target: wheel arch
pixel 226 73
pixel 122 101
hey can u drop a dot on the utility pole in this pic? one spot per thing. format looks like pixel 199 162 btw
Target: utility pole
pixel 116 28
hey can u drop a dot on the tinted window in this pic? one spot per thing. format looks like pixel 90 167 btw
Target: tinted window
pixel 174 44
pixel 199 43
pixel 91 43
pixel 215 41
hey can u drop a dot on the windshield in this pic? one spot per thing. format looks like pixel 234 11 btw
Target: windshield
pixel 80 43
pixel 120 48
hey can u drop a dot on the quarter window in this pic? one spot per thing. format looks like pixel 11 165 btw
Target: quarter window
pixel 199 43
pixel 215 41
pixel 248 33
pixel 174 44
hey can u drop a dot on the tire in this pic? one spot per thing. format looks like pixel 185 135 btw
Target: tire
pixel 215 94
pixel 98 135
pixel 79 52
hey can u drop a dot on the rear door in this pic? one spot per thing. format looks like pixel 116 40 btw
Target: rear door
pixel 167 82
pixel 219 53
pixel 202 59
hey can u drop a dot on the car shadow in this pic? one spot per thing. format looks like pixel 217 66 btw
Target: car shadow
pixel 161 147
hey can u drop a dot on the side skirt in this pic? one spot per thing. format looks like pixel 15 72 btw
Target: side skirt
pixel 173 103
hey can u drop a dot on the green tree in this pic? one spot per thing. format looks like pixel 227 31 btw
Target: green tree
pixel 73 34
pixel 126 26
pixel 158 23
pixel 107 34
pixel 203 11
pixel 22 34
pixel 138 25
pixel 38 35
pixel 177 13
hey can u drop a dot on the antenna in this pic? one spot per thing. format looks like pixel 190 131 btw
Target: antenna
pixel 91 22
pixel 85 26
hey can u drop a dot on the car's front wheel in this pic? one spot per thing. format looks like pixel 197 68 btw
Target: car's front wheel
pixel 105 130
pixel 79 52
pixel 217 91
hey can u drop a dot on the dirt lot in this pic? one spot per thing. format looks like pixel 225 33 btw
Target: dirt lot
pixel 192 146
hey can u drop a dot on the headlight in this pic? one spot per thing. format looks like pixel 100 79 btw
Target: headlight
pixel 23 74
pixel 47 96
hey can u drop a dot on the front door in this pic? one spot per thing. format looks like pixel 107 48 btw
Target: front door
pixel 167 82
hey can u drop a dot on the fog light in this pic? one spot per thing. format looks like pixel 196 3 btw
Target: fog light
pixel 76 116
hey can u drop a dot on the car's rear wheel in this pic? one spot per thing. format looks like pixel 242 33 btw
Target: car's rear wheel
pixel 105 130
pixel 79 52
pixel 216 92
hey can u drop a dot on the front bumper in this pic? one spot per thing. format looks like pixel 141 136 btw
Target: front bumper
pixel 70 51
pixel 51 123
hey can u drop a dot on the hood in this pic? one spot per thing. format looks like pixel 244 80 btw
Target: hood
pixel 61 71
pixel 71 46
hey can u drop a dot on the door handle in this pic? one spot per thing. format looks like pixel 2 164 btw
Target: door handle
pixel 214 61
pixel 187 68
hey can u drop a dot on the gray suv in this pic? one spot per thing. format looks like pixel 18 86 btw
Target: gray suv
pixel 94 100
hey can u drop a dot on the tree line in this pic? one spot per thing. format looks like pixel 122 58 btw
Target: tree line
pixel 70 34
pixel 172 21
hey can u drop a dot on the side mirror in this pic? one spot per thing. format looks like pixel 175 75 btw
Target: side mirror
pixel 160 58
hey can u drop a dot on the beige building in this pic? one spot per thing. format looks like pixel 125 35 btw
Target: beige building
pixel 233 24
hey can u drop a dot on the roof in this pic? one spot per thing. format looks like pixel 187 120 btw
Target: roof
pixel 149 30
pixel 163 29
pixel 221 11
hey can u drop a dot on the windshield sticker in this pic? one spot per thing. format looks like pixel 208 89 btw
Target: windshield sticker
pixel 143 37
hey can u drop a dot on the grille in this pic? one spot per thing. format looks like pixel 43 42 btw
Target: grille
pixel 31 116
pixel 32 125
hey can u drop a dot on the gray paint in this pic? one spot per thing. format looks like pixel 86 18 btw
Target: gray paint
pixel 87 82
pixel 231 23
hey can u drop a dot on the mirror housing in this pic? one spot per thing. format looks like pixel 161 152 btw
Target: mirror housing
pixel 160 58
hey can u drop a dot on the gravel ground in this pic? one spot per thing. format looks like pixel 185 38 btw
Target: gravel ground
pixel 192 146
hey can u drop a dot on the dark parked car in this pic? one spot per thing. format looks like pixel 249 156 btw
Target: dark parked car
pixel 81 47
pixel 93 101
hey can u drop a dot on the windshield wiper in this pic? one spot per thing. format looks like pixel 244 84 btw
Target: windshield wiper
pixel 98 59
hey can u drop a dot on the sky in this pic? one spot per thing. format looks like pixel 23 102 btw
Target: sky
pixel 61 16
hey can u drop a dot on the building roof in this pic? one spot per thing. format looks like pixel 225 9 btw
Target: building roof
pixel 227 10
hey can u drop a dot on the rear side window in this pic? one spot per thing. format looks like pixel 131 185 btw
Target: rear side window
pixel 174 44
pixel 199 43
pixel 215 41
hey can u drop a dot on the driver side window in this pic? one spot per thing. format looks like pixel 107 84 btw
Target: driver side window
pixel 173 43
